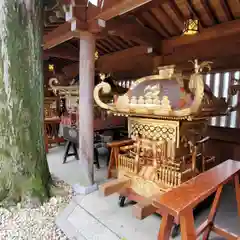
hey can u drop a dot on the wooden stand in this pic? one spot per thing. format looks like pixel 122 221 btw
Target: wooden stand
pixel 75 153
pixel 144 206
pixel 179 202
pixel 167 121
pixel 67 154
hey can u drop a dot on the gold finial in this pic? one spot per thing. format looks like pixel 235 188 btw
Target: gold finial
pixel 198 68
pixel 96 55
pixel 50 67
pixel 102 76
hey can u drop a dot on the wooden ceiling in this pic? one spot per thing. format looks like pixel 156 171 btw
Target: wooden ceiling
pixel 148 35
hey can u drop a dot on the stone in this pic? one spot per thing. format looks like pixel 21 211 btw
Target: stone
pixel 23 222
pixel 84 190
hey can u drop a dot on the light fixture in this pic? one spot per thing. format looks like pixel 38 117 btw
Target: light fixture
pixel 50 67
pixel 191 27
pixel 96 55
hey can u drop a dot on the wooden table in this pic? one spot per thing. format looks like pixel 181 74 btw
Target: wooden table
pixel 179 202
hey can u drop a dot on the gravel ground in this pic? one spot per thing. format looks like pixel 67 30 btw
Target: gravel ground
pixel 35 224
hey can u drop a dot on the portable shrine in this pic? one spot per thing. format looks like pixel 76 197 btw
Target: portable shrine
pixel 167 120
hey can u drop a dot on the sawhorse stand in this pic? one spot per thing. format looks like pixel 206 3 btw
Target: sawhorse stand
pixel 75 153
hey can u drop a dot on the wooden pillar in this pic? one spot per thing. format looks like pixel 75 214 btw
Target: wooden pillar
pixel 86 77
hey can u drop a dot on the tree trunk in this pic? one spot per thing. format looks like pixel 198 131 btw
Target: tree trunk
pixel 23 164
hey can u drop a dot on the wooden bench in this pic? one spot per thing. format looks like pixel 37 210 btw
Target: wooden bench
pixel 180 202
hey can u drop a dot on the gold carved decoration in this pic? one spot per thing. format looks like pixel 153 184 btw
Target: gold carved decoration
pixel 149 103
pixel 154 129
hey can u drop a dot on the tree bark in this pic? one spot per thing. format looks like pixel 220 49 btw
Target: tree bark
pixel 23 166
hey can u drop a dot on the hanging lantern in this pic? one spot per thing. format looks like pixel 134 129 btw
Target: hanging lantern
pixel 96 55
pixel 50 67
pixel 191 27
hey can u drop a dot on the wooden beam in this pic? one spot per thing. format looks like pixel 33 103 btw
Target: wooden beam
pixel 176 10
pixel 129 29
pixel 194 12
pixel 219 64
pixel 76 14
pixel 216 32
pixel 149 5
pixel 212 49
pixel 210 12
pixel 121 61
pixel 64 51
pixel 132 30
pixel 109 9
pixel 59 35
pixel 117 57
pixel 141 66
pixel 227 10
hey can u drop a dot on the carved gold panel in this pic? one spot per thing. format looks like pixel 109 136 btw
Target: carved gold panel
pixel 154 129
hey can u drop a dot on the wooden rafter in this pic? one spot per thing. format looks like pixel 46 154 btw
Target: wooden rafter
pixel 114 60
pixel 59 35
pixel 112 43
pixel 195 13
pixel 106 45
pixel 129 43
pixel 101 47
pixel 131 30
pixel 113 8
pixel 176 10
pixel 149 17
pixel 162 16
pixel 118 27
pixel 210 12
pixel 119 41
pixel 149 5
pixel 213 49
pixel 227 10
pixel 133 52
